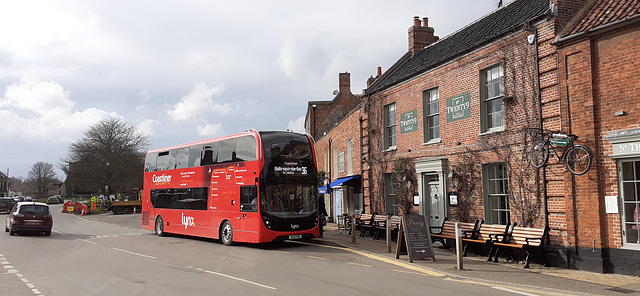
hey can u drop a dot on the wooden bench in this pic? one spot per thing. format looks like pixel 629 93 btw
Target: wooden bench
pixel 365 223
pixel 530 240
pixel 379 222
pixel 447 231
pixel 380 226
pixel 485 234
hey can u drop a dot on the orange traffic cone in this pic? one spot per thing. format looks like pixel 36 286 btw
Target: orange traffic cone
pixel 134 210
pixel 82 213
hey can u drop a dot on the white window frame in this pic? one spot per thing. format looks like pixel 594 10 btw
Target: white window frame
pixel 496 193
pixel 431 102
pixel 492 93
pixel 350 157
pixel 390 194
pixel 335 167
pixel 626 187
pixel 389 122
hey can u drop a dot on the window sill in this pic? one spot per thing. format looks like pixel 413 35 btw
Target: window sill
pixel 390 149
pixel 492 131
pixel 631 247
pixel 432 141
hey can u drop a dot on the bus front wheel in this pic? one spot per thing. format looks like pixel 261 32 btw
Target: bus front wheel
pixel 226 233
pixel 159 226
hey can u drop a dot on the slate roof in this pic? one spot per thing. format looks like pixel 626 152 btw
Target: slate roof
pixel 598 13
pixel 484 30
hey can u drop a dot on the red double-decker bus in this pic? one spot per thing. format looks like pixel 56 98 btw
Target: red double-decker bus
pixel 253 187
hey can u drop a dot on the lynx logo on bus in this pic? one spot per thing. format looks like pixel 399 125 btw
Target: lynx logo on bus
pixel 162 179
pixel 187 221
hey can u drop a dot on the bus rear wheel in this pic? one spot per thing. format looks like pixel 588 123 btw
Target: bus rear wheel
pixel 159 226
pixel 226 233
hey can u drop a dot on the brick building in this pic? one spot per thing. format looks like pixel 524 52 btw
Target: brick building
pixel 335 127
pixel 590 87
pixel 458 112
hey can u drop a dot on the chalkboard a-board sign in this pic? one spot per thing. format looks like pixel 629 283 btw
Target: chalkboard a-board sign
pixel 415 230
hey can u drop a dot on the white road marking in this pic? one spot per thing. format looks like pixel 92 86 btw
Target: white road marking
pixel 11 270
pixel 359 264
pixel 86 241
pixel 137 254
pixel 235 278
pixel 514 291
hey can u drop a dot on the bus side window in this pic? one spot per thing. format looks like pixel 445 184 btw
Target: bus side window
pixel 182 158
pixel 249 198
pixel 209 154
pixel 163 161
pixel 246 149
pixel 227 150
pixel 150 162
pixel 194 156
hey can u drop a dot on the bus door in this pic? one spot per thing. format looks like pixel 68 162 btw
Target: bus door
pixel 248 223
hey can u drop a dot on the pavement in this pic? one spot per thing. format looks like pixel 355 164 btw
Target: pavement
pixel 538 280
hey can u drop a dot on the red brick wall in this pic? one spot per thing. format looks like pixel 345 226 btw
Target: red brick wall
pixel 349 128
pixel 600 79
pixel 327 114
pixel 455 78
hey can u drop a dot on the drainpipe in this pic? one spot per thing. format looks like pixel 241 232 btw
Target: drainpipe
pixel 314 121
pixel 329 179
pixel 361 164
pixel 544 168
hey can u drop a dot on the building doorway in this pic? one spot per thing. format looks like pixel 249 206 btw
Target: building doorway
pixel 432 190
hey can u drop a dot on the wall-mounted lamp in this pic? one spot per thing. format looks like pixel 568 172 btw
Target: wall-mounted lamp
pixel 453 179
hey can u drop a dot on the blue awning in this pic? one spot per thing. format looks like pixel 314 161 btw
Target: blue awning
pixel 323 190
pixel 340 181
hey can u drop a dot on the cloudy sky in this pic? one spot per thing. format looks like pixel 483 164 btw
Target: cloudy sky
pixel 184 71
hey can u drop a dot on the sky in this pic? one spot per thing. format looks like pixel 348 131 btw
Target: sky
pixel 184 71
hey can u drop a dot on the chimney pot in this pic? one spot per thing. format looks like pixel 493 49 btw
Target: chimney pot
pixel 379 71
pixel 425 21
pixel 416 21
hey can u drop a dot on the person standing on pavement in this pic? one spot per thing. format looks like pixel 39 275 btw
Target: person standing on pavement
pixel 94 202
pixel 322 215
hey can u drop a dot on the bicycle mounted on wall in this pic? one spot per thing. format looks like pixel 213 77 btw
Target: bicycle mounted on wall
pixel 577 158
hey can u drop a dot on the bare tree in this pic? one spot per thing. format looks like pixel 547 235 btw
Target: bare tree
pixel 110 156
pixel 41 176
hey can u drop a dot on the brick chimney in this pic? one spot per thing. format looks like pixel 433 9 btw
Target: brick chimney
pixel 420 34
pixel 344 79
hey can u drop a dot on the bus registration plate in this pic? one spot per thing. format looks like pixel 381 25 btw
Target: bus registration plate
pixel 295 236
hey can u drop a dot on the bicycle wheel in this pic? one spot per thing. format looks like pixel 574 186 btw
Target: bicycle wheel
pixel 539 154
pixel 579 159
